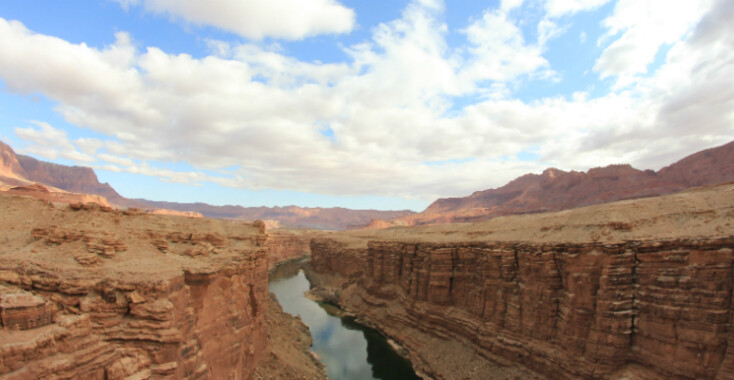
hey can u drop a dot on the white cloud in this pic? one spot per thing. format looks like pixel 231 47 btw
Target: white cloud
pixel 499 52
pixel 558 8
pixel 508 5
pixel 262 112
pixel 51 143
pixel 548 30
pixel 644 27
pixel 257 19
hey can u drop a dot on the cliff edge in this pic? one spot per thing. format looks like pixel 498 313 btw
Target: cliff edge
pixel 95 293
pixel 634 289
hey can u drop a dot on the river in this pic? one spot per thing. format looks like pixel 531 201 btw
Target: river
pixel 350 350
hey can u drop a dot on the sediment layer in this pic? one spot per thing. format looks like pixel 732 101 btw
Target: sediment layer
pixel 595 306
pixel 285 245
pixel 94 293
pixel 660 308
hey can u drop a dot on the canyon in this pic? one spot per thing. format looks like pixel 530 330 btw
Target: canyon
pixel 88 291
pixel 639 288
pixel 633 289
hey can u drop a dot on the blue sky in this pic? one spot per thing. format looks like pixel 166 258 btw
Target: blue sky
pixel 382 104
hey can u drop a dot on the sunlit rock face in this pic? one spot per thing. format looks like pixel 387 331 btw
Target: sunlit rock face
pixel 91 292
pixel 621 299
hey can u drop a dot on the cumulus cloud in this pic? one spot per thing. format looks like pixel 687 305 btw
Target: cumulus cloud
pixel 499 50
pixel 51 143
pixel 393 128
pixel 508 5
pixel 559 8
pixel 288 19
pixel 643 27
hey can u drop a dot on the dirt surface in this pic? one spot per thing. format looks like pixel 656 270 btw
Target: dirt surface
pixel 288 356
pixel 142 247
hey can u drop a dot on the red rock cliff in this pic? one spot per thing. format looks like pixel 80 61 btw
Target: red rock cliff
pixel 95 293
pixel 284 246
pixel 609 307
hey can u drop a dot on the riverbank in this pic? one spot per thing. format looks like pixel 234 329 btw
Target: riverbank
pixel 432 356
pixel 289 353
pixel 348 349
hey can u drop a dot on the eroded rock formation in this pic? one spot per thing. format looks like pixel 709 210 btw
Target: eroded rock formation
pixel 91 292
pixel 614 300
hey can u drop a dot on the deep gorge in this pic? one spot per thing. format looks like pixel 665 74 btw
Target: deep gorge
pixel 349 350
pixel 643 309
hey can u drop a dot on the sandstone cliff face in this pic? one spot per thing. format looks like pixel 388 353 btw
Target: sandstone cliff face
pixel 660 308
pixel 635 289
pixel 285 246
pixel 9 165
pixel 96 293
pixel 75 179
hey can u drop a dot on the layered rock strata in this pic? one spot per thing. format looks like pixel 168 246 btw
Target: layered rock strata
pixel 94 293
pixel 286 246
pixel 616 300
pixel 562 310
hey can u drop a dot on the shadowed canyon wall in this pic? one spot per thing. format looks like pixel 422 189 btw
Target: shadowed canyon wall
pixel 646 309
pixel 285 246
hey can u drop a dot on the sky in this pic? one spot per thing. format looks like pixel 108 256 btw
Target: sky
pixel 360 104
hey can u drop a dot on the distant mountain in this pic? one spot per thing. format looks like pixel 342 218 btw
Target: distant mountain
pixel 556 190
pixel 19 170
pixel 290 216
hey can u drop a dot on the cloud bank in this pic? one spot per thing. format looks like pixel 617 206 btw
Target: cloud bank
pixel 390 120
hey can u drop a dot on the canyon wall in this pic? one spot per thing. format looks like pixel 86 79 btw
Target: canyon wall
pixel 285 246
pixel 96 293
pixel 640 309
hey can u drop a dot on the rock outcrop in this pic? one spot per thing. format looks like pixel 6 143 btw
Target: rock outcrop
pixel 95 293
pixel 53 195
pixel 623 299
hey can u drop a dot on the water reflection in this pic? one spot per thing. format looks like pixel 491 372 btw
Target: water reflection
pixel 349 350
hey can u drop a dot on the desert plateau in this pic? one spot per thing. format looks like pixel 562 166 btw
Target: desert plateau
pixel 350 190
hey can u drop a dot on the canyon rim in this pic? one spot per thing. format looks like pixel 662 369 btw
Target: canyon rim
pixel 351 190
